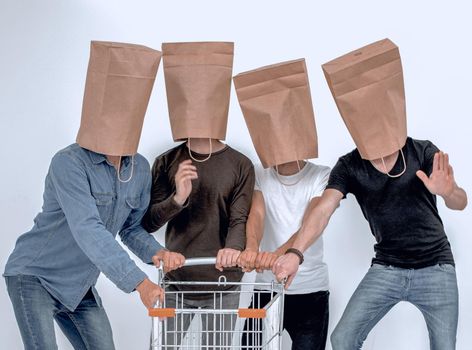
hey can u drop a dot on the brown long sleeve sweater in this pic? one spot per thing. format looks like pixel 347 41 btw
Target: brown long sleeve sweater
pixel 215 214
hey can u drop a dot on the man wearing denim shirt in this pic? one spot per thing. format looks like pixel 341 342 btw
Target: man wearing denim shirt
pixel 91 194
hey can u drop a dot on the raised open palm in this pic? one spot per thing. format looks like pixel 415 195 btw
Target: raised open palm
pixel 441 181
pixel 186 172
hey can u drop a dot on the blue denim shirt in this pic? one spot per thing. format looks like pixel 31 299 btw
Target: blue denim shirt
pixel 73 237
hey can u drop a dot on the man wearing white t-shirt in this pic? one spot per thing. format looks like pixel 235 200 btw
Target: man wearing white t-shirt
pixel 276 104
pixel 280 200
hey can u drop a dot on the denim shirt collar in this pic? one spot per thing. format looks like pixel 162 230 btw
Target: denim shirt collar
pixel 98 158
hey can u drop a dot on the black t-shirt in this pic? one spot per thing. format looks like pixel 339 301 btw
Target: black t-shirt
pixel 401 212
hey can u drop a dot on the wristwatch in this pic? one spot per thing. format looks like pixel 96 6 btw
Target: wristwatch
pixel 297 253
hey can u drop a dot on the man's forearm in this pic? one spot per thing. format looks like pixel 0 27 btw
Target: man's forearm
pixel 141 243
pixel 457 200
pixel 288 244
pixel 236 238
pixel 254 230
pixel 252 241
pixel 311 229
pixel 160 213
pixel 316 218
pixel 254 234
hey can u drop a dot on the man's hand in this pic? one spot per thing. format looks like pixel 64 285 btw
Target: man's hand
pixel 286 267
pixel 247 259
pixel 265 261
pixel 170 260
pixel 227 257
pixel 183 181
pixel 441 181
pixel 150 293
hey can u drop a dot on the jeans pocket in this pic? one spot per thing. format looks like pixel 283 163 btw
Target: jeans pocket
pixel 446 268
pixel 376 266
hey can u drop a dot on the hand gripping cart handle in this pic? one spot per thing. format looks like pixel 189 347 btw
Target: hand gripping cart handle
pixel 197 314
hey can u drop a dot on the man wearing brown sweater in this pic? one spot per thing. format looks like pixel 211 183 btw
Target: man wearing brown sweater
pixel 202 189
pixel 205 206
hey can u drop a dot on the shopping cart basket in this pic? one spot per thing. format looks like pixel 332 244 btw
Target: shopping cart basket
pixel 179 324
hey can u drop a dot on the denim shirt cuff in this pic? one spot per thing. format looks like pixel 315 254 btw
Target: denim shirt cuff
pixel 147 258
pixel 131 280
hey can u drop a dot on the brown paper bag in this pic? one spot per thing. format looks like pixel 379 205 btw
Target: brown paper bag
pixel 119 82
pixel 198 85
pixel 276 103
pixel 367 85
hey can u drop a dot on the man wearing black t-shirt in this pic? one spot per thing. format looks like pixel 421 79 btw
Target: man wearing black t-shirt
pixel 413 260
pixel 395 180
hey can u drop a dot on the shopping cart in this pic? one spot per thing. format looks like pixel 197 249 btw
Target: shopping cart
pixel 178 324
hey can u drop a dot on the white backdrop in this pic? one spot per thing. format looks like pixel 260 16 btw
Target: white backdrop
pixel 44 48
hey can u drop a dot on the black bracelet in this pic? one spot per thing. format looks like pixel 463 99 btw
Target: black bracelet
pixel 297 253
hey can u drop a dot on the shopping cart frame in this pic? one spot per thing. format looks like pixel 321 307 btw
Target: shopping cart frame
pixel 160 313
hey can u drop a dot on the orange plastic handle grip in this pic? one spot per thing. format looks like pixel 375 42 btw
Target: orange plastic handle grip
pixel 252 313
pixel 162 312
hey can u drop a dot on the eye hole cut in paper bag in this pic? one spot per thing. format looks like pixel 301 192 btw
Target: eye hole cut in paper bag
pixel 277 106
pixel 120 79
pixel 367 85
pixel 198 85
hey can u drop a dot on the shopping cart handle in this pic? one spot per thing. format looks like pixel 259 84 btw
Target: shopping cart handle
pixel 200 261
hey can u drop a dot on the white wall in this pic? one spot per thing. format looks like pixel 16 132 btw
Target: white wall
pixel 44 47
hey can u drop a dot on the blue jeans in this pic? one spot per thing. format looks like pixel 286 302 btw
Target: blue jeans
pixel 35 309
pixel 433 290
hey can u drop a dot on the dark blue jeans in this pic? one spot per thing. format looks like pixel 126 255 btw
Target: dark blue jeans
pixel 433 290
pixel 35 309
pixel 306 319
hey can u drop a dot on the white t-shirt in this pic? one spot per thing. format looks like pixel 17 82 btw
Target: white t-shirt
pixel 284 208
